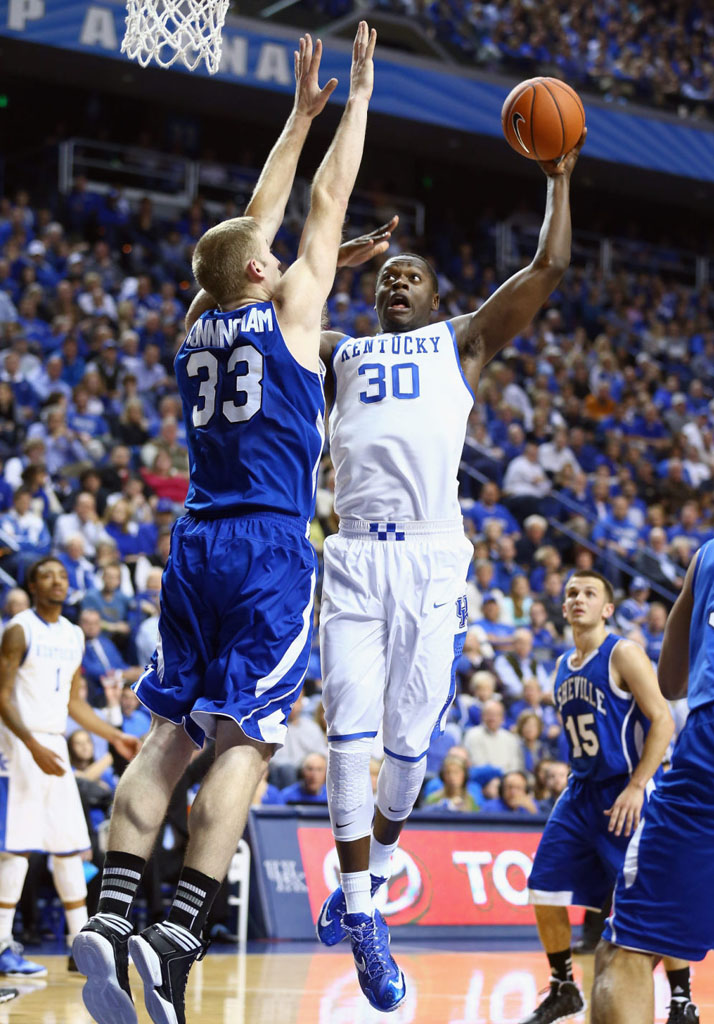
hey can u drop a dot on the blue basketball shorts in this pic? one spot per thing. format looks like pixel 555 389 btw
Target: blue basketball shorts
pixel 235 625
pixel 665 891
pixel 577 860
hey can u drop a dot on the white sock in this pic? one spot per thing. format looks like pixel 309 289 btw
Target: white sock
pixel 356 886
pixel 76 919
pixel 380 858
pixel 7 915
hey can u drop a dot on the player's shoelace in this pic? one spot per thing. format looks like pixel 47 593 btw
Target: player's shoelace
pixel 374 946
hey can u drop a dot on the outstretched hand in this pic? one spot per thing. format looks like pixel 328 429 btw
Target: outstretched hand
pixel 358 250
pixel 564 166
pixel 310 99
pixel 362 71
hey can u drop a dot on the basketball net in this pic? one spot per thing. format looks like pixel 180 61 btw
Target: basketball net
pixel 169 30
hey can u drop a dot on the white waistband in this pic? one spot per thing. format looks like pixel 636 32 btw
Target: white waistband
pixel 386 530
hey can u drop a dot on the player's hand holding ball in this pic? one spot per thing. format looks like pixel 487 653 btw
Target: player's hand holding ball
pixel 543 119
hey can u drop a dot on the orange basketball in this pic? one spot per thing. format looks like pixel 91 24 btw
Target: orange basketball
pixel 542 118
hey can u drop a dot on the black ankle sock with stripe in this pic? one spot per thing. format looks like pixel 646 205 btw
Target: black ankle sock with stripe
pixel 195 894
pixel 120 880
pixel 679 983
pixel 561 965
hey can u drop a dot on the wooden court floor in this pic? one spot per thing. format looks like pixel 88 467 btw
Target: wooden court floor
pixel 320 987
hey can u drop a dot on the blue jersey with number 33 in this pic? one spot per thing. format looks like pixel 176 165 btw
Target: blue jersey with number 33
pixel 254 416
pixel 603 723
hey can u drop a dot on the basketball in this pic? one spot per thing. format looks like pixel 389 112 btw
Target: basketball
pixel 542 118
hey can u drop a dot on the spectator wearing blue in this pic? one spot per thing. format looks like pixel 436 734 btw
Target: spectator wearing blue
pixel 132 539
pixel 498 634
pixel 102 663
pixel 80 571
pixel 489 507
pixel 513 797
pixel 505 567
pixel 546 644
pixel 310 787
pixel 529 729
pixel 540 704
pixel 112 605
pixel 64 450
pixel 556 779
pixel 653 630
pixel 633 612
pixel 535 535
pixel 617 534
pixel 689 526
pixel 24 537
pixel 136 720
pixel 584 452
pixel 656 563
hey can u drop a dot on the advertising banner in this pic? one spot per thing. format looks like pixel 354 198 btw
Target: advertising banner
pixel 452 875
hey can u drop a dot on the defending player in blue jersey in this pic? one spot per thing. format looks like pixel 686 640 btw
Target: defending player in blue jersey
pixel 618 727
pixel 237 593
pixel 665 890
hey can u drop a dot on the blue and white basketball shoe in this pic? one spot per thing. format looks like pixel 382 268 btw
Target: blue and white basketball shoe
pixel 14 965
pixel 329 923
pixel 379 977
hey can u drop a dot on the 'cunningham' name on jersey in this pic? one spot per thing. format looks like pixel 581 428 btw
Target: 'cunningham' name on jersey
pixel 223 333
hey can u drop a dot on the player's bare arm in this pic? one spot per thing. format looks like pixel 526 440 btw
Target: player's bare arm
pixel 303 290
pixel 84 715
pixel 12 651
pixel 632 670
pixel 673 664
pixel 481 335
pixel 272 190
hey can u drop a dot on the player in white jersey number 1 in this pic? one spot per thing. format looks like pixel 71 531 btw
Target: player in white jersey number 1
pixel 40 809
pixel 393 615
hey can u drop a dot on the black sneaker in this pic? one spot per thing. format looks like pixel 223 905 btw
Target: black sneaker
pixel 681 1011
pixel 564 1000
pixel 101 953
pixel 6 994
pixel 163 955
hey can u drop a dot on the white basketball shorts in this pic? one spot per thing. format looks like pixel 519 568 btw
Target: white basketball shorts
pixel 38 811
pixel 392 624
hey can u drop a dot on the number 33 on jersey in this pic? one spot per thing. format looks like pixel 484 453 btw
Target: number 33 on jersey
pixel 254 415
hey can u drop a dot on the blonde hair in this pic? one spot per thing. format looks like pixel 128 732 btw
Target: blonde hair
pixel 221 256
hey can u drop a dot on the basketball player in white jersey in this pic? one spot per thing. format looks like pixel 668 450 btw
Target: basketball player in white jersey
pixel 40 808
pixel 393 615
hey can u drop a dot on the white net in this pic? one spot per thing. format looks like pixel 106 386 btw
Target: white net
pixel 169 30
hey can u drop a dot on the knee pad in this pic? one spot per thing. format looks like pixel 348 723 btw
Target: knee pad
pixel 12 877
pixel 349 788
pixel 398 786
pixel 68 875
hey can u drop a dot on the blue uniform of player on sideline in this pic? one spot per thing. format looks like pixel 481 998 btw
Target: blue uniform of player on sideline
pixel 238 646
pixel 664 894
pixel 618 727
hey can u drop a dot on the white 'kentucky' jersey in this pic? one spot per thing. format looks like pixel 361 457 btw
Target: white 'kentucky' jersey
pixel 53 654
pixel 398 424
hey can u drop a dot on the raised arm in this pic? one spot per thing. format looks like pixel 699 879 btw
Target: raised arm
pixel 509 310
pixel 673 664
pixel 272 191
pixel 305 286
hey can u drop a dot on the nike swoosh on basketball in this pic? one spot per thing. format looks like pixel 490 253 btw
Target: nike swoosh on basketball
pixel 516 122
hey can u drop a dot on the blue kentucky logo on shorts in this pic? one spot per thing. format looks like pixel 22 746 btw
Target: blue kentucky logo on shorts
pixel 462 610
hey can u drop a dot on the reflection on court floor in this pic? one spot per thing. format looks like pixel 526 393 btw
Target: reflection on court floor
pixel 316 987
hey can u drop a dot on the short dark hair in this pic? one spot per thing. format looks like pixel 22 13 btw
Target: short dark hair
pixel 408 257
pixel 36 566
pixel 592 574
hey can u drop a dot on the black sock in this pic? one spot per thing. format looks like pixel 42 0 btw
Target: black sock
pixel 561 965
pixel 679 984
pixel 120 880
pixel 194 895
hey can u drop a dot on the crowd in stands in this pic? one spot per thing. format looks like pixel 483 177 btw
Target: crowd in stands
pixel 591 445
pixel 655 53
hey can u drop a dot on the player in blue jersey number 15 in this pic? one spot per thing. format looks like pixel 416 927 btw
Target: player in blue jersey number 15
pixel 618 727
pixel 237 592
